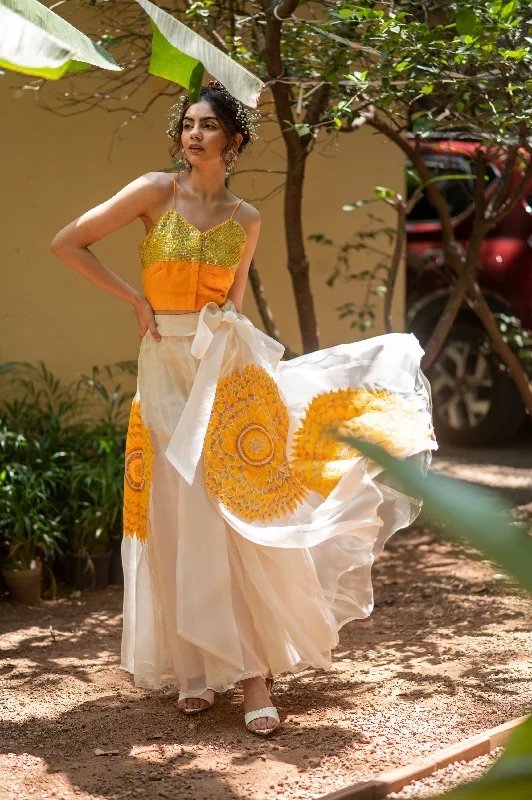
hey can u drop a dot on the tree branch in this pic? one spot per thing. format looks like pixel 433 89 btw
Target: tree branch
pixel 415 157
pixel 485 314
pixel 516 195
pixel 264 309
pixel 504 182
pixel 399 248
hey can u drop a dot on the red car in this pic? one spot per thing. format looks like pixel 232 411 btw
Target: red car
pixel 475 399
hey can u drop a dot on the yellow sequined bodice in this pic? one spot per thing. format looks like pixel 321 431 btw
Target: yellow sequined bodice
pixel 173 238
pixel 184 268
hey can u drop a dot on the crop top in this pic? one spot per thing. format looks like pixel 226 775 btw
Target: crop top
pixel 184 268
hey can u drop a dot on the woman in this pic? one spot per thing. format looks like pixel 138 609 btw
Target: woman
pixel 250 526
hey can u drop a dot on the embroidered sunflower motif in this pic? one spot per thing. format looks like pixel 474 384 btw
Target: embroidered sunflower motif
pixel 246 467
pixel 137 475
pixel 379 417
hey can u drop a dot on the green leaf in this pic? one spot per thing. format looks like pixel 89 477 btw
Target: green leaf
pixel 27 49
pixel 511 781
pixel 508 9
pixel 469 512
pixel 514 54
pixel 423 125
pixel 427 88
pixel 465 21
pixel 181 41
pixel 383 193
pixel 303 129
pixel 519 744
pixel 35 41
pixel 357 204
pixel 172 64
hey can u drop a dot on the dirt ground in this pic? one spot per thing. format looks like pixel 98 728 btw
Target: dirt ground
pixel 445 654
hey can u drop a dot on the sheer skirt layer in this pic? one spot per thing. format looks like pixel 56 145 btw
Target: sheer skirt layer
pixel 210 600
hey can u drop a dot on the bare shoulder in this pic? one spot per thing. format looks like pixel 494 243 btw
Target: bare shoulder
pixel 248 216
pixel 156 188
pixel 157 183
pixel 146 191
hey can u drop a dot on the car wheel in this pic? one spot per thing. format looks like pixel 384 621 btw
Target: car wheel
pixel 475 400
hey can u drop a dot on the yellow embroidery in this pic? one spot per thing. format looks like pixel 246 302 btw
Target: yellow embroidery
pixel 246 467
pixel 379 417
pixel 137 475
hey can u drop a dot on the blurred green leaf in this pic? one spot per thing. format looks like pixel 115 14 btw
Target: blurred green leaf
pixel 470 513
pixel 465 21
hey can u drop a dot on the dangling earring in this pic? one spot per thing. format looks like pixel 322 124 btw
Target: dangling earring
pixel 230 158
pixel 183 159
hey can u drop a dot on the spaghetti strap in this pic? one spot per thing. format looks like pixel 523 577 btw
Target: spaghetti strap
pixel 235 208
pixel 173 197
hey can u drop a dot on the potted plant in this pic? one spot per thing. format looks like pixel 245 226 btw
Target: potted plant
pixel 77 431
pixel 95 507
pixel 31 527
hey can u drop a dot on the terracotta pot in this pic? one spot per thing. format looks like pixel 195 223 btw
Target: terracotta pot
pixel 24 585
pixel 88 572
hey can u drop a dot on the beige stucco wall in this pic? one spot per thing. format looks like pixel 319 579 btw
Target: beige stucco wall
pixel 54 169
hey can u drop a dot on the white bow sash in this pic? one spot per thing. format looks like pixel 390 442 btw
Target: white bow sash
pixel 215 325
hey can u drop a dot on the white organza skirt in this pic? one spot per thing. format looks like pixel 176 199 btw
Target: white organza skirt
pixel 250 531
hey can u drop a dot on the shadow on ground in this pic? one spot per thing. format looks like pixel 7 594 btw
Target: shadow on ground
pixel 438 612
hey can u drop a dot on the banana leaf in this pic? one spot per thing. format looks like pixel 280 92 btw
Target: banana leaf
pixel 35 41
pixel 26 48
pixel 181 55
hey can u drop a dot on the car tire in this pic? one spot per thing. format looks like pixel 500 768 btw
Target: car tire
pixel 476 402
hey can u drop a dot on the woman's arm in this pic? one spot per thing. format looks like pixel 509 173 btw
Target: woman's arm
pixel 250 221
pixel 71 243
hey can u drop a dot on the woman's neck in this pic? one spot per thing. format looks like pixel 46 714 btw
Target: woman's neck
pixel 207 183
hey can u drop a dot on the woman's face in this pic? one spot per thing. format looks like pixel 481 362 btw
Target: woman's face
pixel 203 137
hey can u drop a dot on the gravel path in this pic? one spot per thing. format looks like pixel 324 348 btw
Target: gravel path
pixel 445 655
pixel 447 778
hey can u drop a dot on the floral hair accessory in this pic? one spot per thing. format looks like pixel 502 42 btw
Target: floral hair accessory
pixel 247 117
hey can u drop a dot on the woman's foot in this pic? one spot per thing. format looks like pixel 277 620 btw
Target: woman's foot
pixel 256 696
pixel 192 705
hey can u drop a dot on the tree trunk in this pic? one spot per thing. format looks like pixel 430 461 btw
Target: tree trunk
pixel 298 265
pixel 400 242
pixel 445 322
pixel 264 309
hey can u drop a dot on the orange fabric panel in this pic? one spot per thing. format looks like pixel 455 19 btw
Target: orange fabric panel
pixel 186 285
pixel 213 285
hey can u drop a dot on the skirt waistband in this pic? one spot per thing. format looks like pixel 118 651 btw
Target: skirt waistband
pixel 177 324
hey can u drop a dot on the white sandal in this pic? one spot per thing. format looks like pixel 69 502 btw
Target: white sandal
pixel 207 695
pixel 269 711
